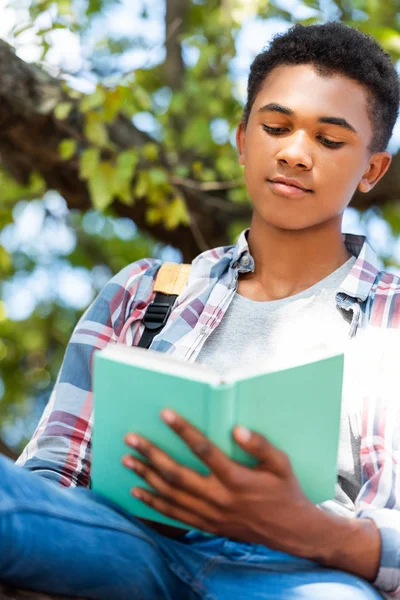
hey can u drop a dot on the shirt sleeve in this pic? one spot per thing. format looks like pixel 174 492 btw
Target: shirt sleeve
pixel 60 448
pixel 379 498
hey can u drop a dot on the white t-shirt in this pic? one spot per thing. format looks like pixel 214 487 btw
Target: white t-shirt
pixel 283 333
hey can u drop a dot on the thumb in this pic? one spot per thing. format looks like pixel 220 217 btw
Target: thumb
pixel 257 445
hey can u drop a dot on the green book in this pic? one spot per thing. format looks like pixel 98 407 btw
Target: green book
pixel 297 409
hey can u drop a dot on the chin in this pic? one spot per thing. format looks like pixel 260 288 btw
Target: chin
pixel 288 222
pixel 291 218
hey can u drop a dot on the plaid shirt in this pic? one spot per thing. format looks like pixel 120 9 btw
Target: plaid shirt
pixel 60 448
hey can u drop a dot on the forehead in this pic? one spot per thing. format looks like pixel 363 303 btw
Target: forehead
pixel 311 95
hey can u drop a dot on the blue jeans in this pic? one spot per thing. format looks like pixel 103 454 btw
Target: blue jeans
pixel 71 541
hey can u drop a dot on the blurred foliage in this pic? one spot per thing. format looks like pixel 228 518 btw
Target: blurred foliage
pixel 194 125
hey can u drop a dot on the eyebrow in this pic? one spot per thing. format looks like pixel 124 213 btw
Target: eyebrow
pixel 272 107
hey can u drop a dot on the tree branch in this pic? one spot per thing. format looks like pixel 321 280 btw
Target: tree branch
pixel 30 137
pixel 206 186
pixel 29 141
pixel 174 68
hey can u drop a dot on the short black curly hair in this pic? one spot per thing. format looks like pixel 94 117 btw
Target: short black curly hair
pixel 335 48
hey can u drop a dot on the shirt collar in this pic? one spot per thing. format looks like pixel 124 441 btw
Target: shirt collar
pixel 358 282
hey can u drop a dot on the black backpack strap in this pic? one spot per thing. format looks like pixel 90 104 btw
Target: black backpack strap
pixel 170 282
pixel 156 317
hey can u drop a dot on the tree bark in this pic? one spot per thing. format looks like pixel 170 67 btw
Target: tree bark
pixel 174 68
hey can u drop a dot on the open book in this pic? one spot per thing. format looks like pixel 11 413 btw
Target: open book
pixel 297 409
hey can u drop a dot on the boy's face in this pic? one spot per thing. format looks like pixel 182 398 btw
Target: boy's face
pixel 316 131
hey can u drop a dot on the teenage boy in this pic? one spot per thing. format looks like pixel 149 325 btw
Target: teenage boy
pixel 322 102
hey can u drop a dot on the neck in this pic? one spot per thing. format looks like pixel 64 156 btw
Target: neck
pixel 288 262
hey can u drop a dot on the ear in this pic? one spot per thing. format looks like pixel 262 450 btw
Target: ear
pixel 377 167
pixel 240 141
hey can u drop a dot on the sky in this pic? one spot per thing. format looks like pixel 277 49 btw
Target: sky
pixel 56 278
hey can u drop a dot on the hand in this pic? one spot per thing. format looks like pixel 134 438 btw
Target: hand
pixel 263 504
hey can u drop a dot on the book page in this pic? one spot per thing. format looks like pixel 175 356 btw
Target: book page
pixel 163 363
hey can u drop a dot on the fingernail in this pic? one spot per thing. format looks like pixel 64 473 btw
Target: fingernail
pixel 243 434
pixel 133 440
pixel 136 493
pixel 168 415
pixel 128 461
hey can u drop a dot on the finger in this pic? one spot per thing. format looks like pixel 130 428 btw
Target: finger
pixel 200 445
pixel 181 476
pixel 257 445
pixel 166 489
pixel 173 511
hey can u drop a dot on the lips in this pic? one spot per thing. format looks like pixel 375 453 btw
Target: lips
pixel 290 182
pixel 287 187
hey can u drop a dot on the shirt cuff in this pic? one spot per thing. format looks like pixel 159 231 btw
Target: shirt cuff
pixel 388 523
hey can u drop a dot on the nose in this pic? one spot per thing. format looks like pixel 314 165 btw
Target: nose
pixel 295 151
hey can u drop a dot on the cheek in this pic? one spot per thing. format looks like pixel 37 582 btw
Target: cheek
pixel 257 142
pixel 345 172
pixel 338 171
pixel 258 154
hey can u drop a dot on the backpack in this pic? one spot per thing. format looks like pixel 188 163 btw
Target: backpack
pixel 170 282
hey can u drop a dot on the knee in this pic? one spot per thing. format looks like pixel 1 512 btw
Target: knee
pixel 145 574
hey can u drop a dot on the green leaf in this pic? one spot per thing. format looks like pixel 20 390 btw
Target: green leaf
pixel 178 104
pixel 150 151
pixel 88 162
pixel 142 184
pixel 94 6
pixel 226 166
pixel 142 98
pixel 124 193
pixel 208 175
pixel 5 261
pixel 126 164
pixel 59 26
pixel 92 101
pixel 19 30
pixel 45 48
pixel 62 110
pixel 124 172
pixel 197 135
pixel 238 194
pixel 158 176
pixel 95 130
pixel 3 312
pixel 43 32
pixel 390 40
pixel 154 215
pixel 37 184
pixel 101 185
pixel 67 148
pixel 113 102
pixel 176 213
pixel 64 7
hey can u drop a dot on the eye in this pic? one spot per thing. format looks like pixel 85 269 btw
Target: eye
pixel 330 143
pixel 274 129
pixel 326 142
